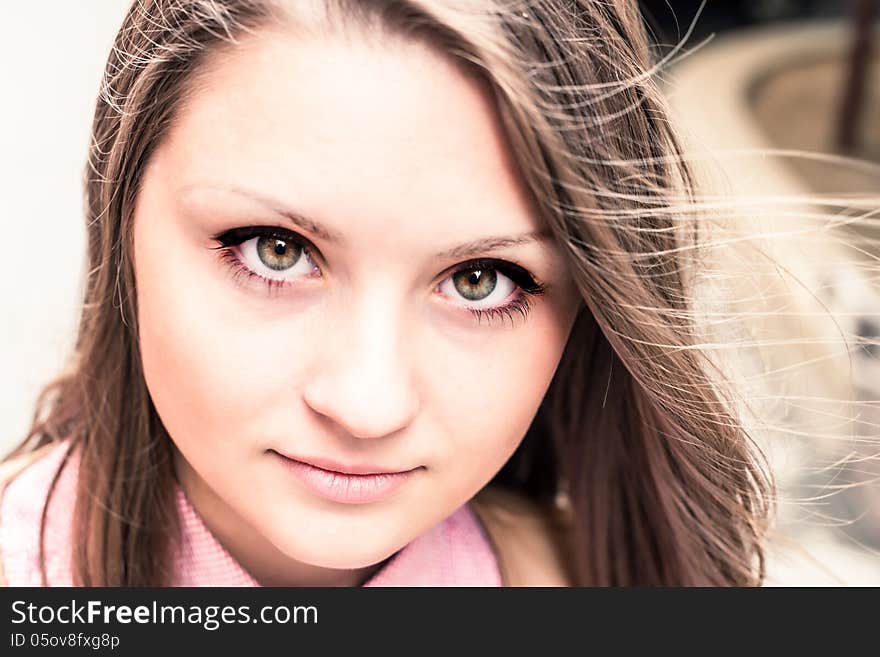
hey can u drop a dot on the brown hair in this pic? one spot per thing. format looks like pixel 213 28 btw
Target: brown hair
pixel 665 487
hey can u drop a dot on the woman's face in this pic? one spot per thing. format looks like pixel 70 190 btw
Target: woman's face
pixel 305 240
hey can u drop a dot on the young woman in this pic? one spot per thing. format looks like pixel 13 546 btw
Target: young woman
pixel 385 293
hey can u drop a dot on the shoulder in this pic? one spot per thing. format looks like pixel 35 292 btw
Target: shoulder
pixel 24 485
pixel 530 546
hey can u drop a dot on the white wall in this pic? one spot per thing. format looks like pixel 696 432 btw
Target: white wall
pixel 52 56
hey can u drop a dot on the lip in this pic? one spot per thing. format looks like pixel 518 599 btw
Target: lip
pixel 348 484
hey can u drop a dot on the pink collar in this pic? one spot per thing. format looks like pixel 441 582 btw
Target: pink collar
pixel 455 552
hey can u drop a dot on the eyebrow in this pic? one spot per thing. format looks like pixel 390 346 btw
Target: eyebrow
pixel 488 244
pixel 465 250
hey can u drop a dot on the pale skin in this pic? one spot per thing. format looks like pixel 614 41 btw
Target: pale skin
pixel 365 350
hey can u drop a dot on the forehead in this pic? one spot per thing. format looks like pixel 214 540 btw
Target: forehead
pixel 392 134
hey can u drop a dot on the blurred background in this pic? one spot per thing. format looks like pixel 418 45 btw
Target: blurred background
pixel 779 104
pixel 775 99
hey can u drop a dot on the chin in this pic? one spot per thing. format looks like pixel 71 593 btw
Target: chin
pixel 333 546
pixel 338 555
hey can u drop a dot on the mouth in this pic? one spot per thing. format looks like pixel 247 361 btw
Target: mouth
pixel 345 483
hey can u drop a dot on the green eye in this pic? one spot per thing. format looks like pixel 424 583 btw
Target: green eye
pixel 278 254
pixel 475 284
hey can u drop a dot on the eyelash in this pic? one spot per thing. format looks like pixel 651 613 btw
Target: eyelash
pixel 526 284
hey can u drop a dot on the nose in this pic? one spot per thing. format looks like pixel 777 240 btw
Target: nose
pixel 361 378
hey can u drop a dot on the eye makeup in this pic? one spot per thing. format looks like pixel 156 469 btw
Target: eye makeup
pixel 231 255
pixel 238 245
pixel 518 303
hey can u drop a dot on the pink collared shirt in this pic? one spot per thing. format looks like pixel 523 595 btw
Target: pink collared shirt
pixel 455 552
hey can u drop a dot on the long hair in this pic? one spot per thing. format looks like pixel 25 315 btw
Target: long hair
pixel 665 485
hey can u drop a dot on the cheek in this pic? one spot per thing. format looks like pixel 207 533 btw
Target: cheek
pixel 211 371
pixel 488 397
